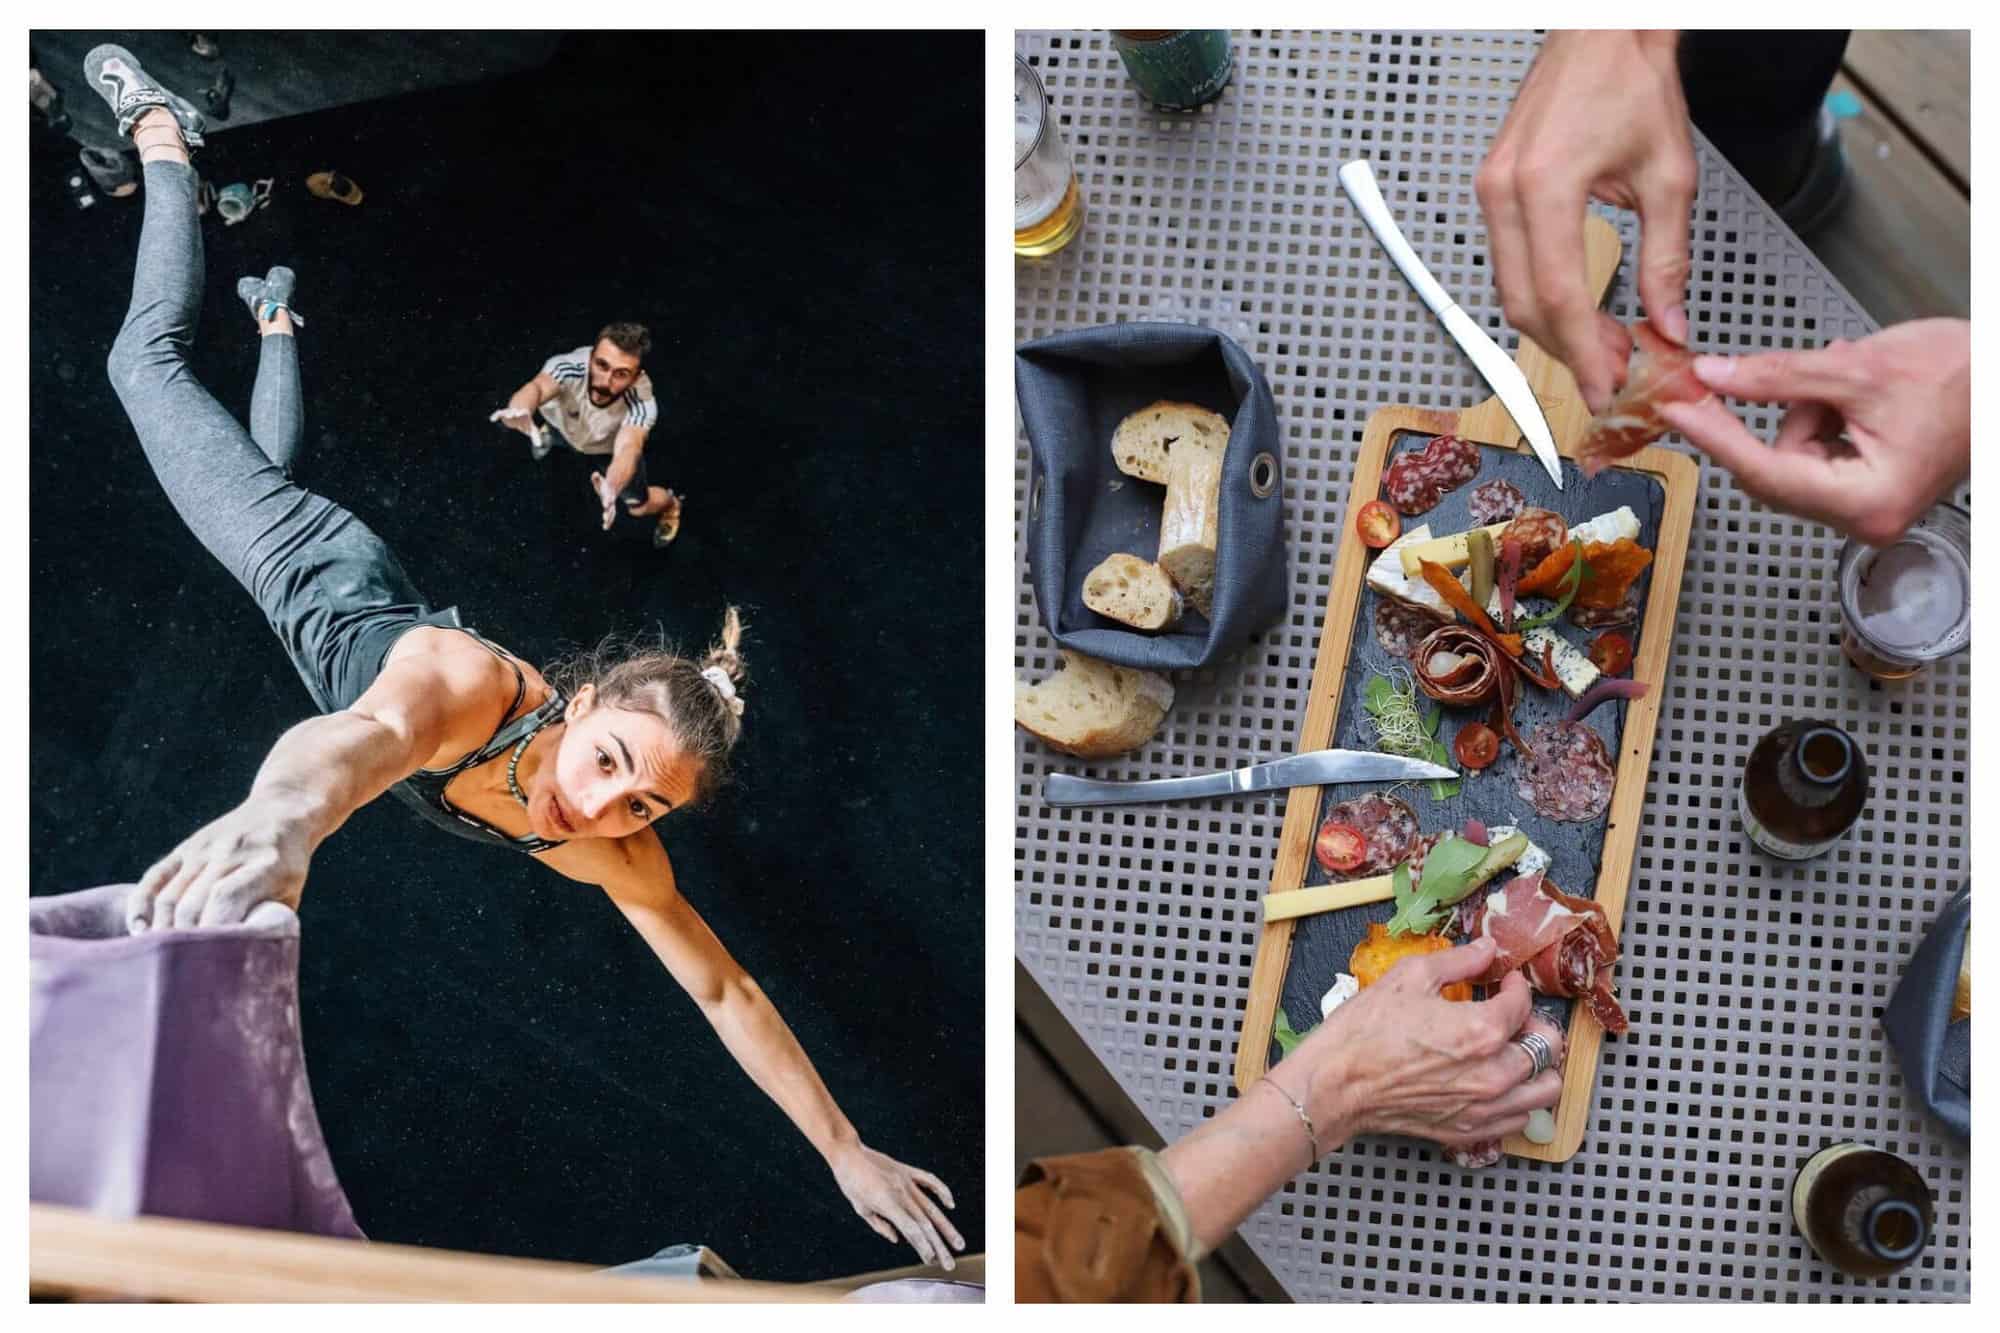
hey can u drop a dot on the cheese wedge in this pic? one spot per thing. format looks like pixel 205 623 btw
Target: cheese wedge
pixel 1452 552
pixel 1607 528
pixel 1386 574
pixel 1575 670
pixel 1329 897
pixel 1532 860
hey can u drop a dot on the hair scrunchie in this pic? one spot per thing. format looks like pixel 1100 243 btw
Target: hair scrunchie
pixel 725 687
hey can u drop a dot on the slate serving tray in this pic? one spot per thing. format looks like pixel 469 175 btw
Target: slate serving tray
pixel 1321 944
pixel 1592 860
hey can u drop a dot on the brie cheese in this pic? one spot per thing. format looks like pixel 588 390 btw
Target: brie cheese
pixel 1386 574
pixel 1344 989
pixel 1607 528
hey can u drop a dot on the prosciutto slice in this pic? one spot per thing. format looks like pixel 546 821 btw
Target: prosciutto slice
pixel 1564 944
pixel 1659 372
pixel 1458 666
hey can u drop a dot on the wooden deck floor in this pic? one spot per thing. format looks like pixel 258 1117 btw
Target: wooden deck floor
pixel 1901 246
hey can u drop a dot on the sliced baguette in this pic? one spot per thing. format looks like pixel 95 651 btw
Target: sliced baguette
pixel 1143 445
pixel 1093 709
pixel 1188 521
pixel 1132 592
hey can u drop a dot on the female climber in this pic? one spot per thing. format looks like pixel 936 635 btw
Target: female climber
pixel 572 772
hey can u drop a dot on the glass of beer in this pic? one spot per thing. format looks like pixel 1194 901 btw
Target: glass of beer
pixel 1909 604
pixel 1048 211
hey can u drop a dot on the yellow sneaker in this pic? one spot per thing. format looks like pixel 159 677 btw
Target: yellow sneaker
pixel 332 185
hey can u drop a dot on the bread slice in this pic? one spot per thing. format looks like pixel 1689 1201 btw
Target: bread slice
pixel 1093 709
pixel 1188 522
pixel 1132 592
pixel 1144 443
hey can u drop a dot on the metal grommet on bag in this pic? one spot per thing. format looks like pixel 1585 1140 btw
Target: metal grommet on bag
pixel 1263 475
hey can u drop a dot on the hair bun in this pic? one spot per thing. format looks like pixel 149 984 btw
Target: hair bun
pixel 723 656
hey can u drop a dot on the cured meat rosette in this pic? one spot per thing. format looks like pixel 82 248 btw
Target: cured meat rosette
pixel 1458 667
pixel 1564 944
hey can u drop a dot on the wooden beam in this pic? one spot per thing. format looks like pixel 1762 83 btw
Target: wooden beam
pixel 1923 81
pixel 80 1256
pixel 968 1268
pixel 1902 242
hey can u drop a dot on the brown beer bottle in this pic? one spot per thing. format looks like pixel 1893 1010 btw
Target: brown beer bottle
pixel 1803 788
pixel 1865 1211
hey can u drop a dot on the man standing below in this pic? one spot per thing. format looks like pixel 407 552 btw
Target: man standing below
pixel 599 401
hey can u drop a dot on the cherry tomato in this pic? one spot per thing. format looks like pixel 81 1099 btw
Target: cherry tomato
pixel 1477 745
pixel 1611 653
pixel 1340 846
pixel 1378 524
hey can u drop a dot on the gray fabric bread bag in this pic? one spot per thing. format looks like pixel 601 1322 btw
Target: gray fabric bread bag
pixel 1074 388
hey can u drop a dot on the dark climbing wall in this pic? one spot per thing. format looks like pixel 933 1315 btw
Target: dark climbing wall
pixel 499 1062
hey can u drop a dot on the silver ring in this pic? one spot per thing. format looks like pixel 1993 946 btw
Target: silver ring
pixel 1540 1054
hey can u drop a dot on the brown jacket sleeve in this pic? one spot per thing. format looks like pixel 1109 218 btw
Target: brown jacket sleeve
pixel 1102 1226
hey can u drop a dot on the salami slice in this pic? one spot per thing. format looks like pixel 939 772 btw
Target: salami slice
pixel 1419 850
pixel 1388 824
pixel 1570 775
pixel 1409 485
pixel 1494 501
pixel 1457 461
pixel 1599 617
pixel 1539 532
pixel 1417 480
pixel 1400 627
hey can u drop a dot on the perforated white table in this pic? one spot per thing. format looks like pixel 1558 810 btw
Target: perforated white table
pixel 1753 986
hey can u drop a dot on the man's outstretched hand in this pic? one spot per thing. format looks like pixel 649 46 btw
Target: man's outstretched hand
pixel 516 418
pixel 1878 430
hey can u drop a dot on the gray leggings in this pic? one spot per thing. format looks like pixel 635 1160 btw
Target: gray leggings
pixel 333 593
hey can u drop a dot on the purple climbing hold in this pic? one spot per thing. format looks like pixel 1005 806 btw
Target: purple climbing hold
pixel 166 1073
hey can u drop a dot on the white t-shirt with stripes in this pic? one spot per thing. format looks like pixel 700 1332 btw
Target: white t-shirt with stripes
pixel 591 429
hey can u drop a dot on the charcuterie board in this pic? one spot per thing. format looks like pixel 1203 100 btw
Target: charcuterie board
pixel 1297 958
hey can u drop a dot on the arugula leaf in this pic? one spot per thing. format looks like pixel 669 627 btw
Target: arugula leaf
pixel 1288 1040
pixel 1399 880
pixel 1377 696
pixel 1571 582
pixel 1448 869
pixel 1431 722
pixel 1427 921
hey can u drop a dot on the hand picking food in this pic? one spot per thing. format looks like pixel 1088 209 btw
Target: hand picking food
pixel 1658 372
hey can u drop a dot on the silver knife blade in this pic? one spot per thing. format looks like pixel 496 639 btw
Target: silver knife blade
pixel 1320 767
pixel 1498 369
pixel 1509 385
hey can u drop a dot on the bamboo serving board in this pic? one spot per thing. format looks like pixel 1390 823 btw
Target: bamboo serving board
pixel 1489 424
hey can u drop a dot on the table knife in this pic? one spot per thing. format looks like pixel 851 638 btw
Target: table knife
pixel 1499 370
pixel 1299 770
